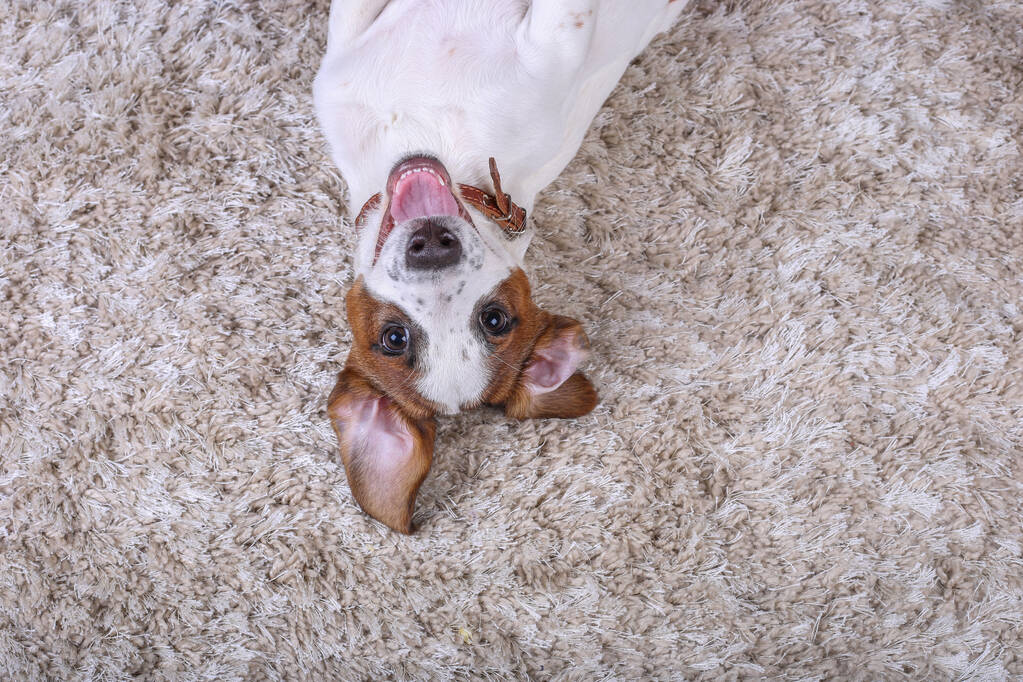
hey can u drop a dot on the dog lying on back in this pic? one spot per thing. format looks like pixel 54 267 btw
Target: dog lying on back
pixel 417 99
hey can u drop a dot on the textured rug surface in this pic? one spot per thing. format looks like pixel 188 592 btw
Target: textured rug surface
pixel 794 235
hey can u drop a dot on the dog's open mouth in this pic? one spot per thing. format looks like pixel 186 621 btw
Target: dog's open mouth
pixel 419 187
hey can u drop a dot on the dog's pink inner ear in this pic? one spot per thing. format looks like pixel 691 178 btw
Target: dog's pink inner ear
pixel 552 364
pixel 551 384
pixel 373 424
pixel 386 454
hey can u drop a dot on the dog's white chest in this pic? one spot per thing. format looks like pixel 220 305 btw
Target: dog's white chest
pixel 424 77
pixel 465 80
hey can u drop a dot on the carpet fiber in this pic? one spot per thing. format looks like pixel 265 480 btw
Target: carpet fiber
pixel 794 234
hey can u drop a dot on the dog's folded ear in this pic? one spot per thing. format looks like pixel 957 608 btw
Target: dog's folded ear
pixel 550 385
pixel 386 453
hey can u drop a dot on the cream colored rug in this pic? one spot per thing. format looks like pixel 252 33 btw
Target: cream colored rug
pixel 795 235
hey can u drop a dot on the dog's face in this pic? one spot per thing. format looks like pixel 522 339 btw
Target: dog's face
pixel 442 320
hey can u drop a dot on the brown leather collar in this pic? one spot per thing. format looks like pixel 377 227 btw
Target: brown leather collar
pixel 498 206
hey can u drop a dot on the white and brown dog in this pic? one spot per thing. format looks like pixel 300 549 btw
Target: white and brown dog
pixel 417 98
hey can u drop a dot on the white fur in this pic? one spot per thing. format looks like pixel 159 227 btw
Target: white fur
pixel 464 80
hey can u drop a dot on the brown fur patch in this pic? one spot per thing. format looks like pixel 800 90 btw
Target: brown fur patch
pixel 512 350
pixel 394 376
pixel 534 329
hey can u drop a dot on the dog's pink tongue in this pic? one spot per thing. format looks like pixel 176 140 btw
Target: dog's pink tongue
pixel 421 195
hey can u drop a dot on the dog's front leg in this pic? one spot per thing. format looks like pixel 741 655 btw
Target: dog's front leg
pixel 557 33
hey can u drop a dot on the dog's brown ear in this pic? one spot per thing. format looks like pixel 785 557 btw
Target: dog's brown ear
pixel 386 453
pixel 550 385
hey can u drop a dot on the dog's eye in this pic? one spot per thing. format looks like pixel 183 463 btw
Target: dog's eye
pixel 394 339
pixel 494 321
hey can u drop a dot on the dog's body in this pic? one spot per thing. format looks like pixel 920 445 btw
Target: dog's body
pixel 466 80
pixel 415 96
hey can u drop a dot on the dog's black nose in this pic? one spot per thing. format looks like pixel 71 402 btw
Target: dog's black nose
pixel 432 247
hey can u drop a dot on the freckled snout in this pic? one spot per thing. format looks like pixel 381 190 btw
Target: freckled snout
pixel 432 247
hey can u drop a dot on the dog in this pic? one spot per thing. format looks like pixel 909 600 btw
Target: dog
pixel 446 118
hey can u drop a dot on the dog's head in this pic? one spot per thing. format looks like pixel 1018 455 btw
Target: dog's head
pixel 442 320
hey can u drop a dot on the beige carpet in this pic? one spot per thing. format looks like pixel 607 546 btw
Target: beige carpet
pixel 795 235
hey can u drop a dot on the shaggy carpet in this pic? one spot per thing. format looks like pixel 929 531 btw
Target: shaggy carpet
pixel 794 234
